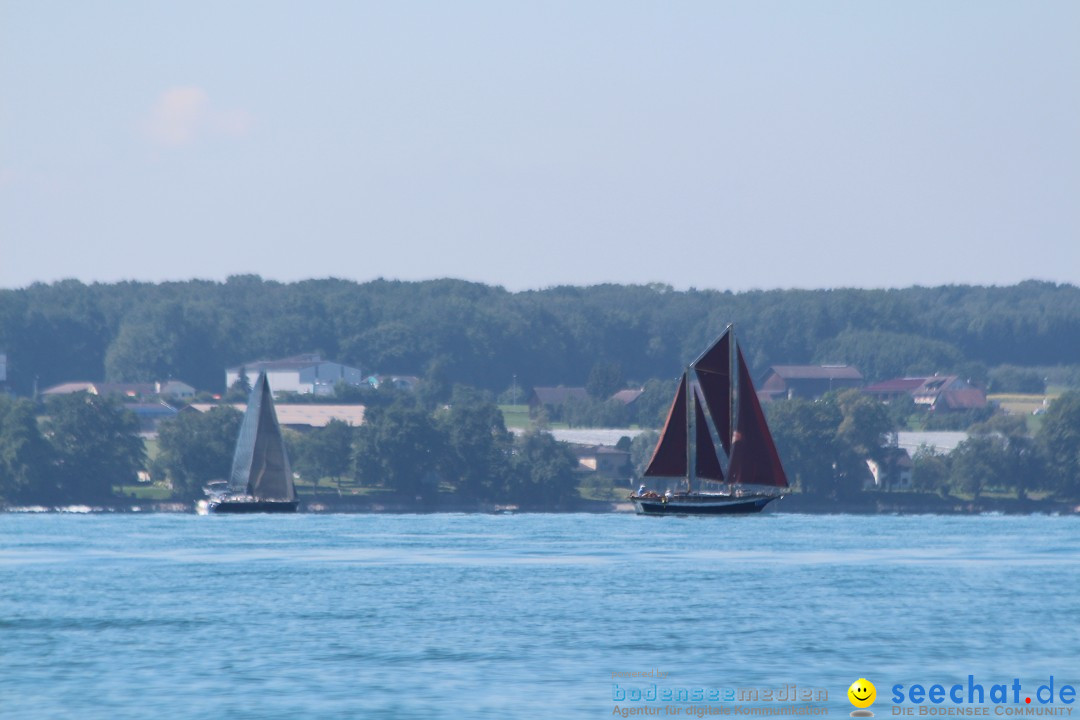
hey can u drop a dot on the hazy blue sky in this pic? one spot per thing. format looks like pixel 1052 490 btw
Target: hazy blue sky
pixel 710 144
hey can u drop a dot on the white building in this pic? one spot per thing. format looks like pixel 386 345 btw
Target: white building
pixel 303 374
pixel 175 389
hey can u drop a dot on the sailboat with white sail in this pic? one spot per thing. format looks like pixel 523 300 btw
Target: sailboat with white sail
pixel 715 414
pixel 261 480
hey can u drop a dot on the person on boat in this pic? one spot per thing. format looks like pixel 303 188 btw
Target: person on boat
pixel 641 490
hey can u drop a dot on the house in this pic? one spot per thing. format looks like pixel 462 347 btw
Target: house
pixel 305 374
pixel 937 393
pixel 300 416
pixel 628 397
pixel 893 473
pixel 806 381
pixel 175 389
pixel 970 398
pixel 150 415
pixel 890 390
pixel 603 459
pixel 70 387
pixel 130 391
pixel 552 399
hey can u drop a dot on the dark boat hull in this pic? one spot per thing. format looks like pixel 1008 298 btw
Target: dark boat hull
pixel 253 506
pixel 702 505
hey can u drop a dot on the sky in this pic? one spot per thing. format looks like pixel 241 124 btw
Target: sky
pixel 721 145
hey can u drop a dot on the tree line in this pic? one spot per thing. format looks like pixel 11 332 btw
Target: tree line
pixel 824 445
pixel 78 447
pixel 451 331
pixel 74 453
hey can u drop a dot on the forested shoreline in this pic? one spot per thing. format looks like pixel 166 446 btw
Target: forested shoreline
pixel 484 336
pixel 448 441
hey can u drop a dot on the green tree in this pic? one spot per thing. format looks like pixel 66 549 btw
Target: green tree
pixel 399 447
pixel 999 454
pixel 930 470
pixel 592 412
pixel 353 394
pixel 881 355
pixel 25 456
pixel 324 452
pixel 478 445
pixel 806 437
pixel 96 445
pixel 641 451
pixel 435 388
pixel 979 463
pixel 166 339
pixel 900 411
pixel 543 473
pixel 865 425
pixel 1026 467
pixel 605 379
pixel 1059 439
pixel 1012 379
pixel 240 390
pixel 651 409
pixel 195 448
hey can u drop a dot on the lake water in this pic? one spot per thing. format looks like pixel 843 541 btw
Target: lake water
pixel 526 616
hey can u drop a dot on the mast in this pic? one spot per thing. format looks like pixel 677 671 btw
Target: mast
pixel 691 465
pixel 732 345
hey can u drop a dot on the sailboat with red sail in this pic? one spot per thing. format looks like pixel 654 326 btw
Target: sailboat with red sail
pixel 715 438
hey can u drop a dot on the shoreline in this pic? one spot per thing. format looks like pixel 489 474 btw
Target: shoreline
pixel 866 504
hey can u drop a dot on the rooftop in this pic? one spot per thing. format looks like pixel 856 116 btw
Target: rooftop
pixel 896 385
pixel 817 372
pixel 628 396
pixel 296 362
pixel 303 413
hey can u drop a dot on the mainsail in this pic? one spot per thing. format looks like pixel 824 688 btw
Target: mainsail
pixel 714 375
pixel 742 430
pixel 708 464
pixel 260 464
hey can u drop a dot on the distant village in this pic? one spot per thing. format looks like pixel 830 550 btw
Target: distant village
pixel 308 389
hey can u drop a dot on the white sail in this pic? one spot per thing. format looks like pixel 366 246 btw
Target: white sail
pixel 260 464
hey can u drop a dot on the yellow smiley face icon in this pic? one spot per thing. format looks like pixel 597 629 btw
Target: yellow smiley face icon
pixel 862 693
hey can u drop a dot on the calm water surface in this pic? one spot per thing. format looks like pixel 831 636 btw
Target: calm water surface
pixel 479 616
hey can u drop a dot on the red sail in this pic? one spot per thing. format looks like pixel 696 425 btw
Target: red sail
pixel 669 458
pixel 754 460
pixel 708 465
pixel 714 376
